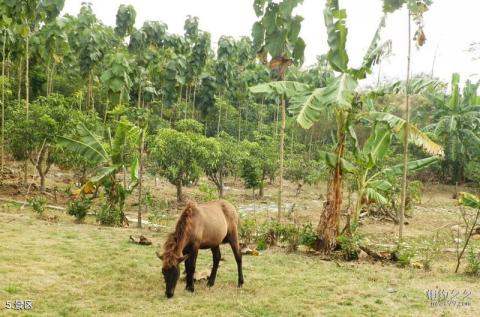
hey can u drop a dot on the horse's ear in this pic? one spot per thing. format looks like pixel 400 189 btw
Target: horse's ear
pixel 183 258
pixel 160 256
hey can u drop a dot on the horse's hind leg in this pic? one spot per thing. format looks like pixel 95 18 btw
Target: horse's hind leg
pixel 216 260
pixel 190 268
pixel 233 240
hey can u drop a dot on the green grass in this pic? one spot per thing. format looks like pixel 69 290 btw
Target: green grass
pixel 70 269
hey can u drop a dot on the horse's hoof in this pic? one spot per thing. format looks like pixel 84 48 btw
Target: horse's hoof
pixel 190 289
pixel 240 285
pixel 210 284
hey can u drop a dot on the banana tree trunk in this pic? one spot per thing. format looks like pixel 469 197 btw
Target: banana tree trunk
pixel 282 148
pixel 327 229
pixel 358 203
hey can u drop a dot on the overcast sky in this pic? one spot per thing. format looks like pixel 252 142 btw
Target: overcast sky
pixel 450 26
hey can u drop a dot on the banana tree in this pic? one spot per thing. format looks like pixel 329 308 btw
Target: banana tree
pixel 340 98
pixel 457 122
pixel 277 34
pixel 111 155
pixel 367 170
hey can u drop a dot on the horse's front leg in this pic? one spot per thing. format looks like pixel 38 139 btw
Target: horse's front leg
pixel 190 268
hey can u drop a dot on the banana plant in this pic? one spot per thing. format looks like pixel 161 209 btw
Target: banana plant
pixel 277 34
pixel 469 200
pixel 457 122
pixel 369 175
pixel 111 156
pixel 340 98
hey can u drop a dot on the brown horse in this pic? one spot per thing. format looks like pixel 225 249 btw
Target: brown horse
pixel 203 226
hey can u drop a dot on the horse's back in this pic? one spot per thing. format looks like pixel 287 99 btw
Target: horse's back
pixel 217 219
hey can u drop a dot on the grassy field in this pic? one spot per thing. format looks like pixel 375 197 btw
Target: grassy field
pixel 71 269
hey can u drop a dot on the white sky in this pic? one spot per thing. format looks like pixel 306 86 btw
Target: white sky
pixel 450 27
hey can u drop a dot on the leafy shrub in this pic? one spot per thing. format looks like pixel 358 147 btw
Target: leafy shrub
pixel 472 171
pixel 159 215
pixel 430 252
pixel 290 234
pixel 247 230
pixel 79 208
pixel 415 191
pixel 38 204
pixel 109 216
pixel 308 235
pixel 190 125
pixel 350 244
pixel 261 244
pixel 473 260
pixel 207 192
pixel 403 255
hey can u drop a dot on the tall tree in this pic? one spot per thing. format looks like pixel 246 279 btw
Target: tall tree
pixel 277 34
pixel 29 15
pixel 340 98
pixel 125 20
pixel 417 9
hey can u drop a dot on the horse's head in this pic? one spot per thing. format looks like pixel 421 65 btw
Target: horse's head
pixel 171 272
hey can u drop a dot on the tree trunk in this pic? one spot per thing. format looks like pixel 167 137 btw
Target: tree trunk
pixel 193 101
pixel 2 159
pixel 42 180
pixel 281 154
pixel 219 118
pixel 27 94
pixel 329 220
pixel 276 122
pixel 221 185
pixel 239 122
pixel 19 87
pixel 261 190
pixel 405 139
pixel 179 191
pixel 140 179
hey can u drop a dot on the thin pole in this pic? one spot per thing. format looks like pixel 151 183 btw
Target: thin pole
pixel 405 137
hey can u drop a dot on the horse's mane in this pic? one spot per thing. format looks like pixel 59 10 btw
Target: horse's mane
pixel 177 239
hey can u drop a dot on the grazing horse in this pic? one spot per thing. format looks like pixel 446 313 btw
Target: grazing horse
pixel 203 226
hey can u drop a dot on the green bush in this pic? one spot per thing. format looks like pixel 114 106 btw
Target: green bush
pixel 109 216
pixel 403 255
pixel 473 260
pixel 261 244
pixel 429 252
pixel 79 208
pixel 38 204
pixel 308 235
pixel 472 171
pixel 350 244
pixel 247 230
pixel 207 192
